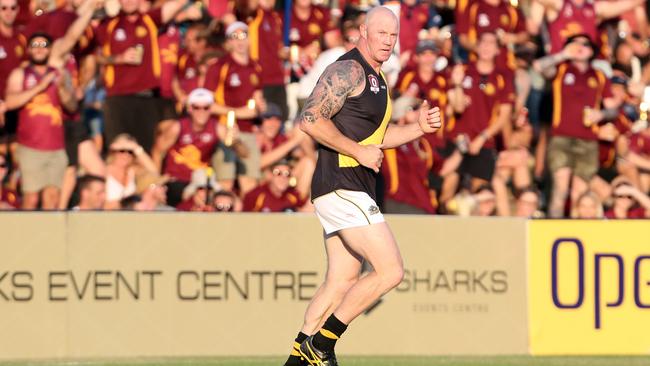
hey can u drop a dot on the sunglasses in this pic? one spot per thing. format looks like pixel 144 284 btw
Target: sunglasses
pixel 281 172
pixel 12 8
pixel 223 208
pixel 623 196
pixel 582 43
pixel 240 36
pixel 40 44
pixel 200 107
pixel 123 151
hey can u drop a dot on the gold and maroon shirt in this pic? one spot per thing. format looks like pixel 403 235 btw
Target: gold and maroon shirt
pixel 12 53
pixel 192 150
pixel 572 20
pixel 573 91
pixel 261 199
pixel 304 32
pixel 265 36
pixel 116 35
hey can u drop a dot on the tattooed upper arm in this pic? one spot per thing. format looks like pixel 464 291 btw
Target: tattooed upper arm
pixel 338 81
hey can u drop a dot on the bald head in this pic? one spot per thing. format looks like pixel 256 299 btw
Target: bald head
pixel 380 13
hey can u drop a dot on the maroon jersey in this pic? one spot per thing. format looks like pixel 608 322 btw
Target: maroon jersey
pixel 12 53
pixel 265 35
pixel 40 121
pixel 233 85
pixel 305 32
pixel 434 91
pixel 486 93
pixel 116 35
pixel 483 17
pixel 261 199
pixel 640 143
pixel 407 176
pixel 169 43
pixel 192 150
pixel 10 197
pixel 412 19
pixel 573 91
pixel 572 20
pixel 187 72
pixel 607 149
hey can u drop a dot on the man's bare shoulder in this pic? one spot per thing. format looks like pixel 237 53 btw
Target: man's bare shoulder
pixel 344 77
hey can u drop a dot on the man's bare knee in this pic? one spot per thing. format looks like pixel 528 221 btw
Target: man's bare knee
pixel 392 277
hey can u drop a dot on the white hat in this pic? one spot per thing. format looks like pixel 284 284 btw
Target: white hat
pixel 200 96
pixel 233 27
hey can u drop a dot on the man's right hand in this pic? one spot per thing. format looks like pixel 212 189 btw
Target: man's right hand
pixel 48 79
pixel 370 156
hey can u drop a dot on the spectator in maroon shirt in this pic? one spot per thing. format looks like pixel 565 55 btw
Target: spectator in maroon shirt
pixel 629 202
pixel 128 47
pixel 12 53
pixel 9 199
pixel 276 195
pixel 191 61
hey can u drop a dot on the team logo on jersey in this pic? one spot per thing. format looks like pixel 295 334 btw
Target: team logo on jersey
pixel 234 80
pixel 592 82
pixel 483 20
pixel 313 29
pixel 120 35
pixel 266 26
pixel 467 82
pixel 568 12
pixel 140 31
pixel 294 35
pixel 254 80
pixel 3 53
pixel 569 79
pixel 505 20
pixel 206 137
pixel 19 51
pixel 190 73
pixel 30 82
pixel 186 139
pixel 374 83
pixel 434 94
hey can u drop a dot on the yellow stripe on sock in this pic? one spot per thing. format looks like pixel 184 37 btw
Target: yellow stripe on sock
pixel 328 334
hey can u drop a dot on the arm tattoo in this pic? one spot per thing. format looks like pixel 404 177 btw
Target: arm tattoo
pixel 337 82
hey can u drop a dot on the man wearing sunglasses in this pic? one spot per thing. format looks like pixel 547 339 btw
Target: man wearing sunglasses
pixel 237 83
pixel 42 90
pixel 582 99
pixel 276 195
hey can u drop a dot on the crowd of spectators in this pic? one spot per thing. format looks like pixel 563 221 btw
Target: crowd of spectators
pixel 189 105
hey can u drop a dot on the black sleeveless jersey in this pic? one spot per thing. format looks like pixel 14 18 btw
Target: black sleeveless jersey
pixel 363 118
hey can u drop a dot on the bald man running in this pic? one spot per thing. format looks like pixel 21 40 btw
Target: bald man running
pixel 348 114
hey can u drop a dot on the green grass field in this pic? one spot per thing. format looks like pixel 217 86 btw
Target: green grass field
pixel 368 361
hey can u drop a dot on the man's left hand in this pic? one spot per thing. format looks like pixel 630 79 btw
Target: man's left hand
pixel 429 118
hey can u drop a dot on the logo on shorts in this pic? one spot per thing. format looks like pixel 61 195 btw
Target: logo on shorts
pixel 374 83
pixel 373 210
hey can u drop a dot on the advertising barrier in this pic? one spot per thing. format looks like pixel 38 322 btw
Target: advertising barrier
pixel 125 284
pixel 589 287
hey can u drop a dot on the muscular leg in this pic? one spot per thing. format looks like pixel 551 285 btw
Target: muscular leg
pixel 343 269
pixel 377 245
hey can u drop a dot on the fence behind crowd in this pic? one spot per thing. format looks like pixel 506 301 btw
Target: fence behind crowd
pixel 85 285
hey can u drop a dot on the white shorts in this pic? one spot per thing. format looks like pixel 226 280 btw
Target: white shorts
pixel 343 209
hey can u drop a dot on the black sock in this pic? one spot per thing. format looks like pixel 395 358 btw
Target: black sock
pixel 326 338
pixel 294 357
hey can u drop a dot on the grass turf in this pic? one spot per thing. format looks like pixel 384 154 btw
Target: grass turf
pixel 366 361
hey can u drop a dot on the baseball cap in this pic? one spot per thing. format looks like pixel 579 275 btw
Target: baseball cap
pixel 233 27
pixel 200 96
pixel 201 178
pixel 272 110
pixel 426 45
